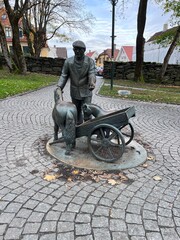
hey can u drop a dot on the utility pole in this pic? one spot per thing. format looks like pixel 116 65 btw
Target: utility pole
pixel 113 2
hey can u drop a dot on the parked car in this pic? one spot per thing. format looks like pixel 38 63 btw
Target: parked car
pixel 99 71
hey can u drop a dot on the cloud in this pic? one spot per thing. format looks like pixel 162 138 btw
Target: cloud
pixel 125 24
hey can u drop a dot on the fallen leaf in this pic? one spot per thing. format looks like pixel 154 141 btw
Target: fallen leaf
pixel 157 178
pixel 75 172
pixel 145 165
pixel 50 177
pixel 106 176
pixel 112 181
pixel 150 158
pixel 96 178
pixel 69 179
pixel 123 177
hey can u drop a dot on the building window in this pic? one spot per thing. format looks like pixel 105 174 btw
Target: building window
pixel 20 32
pixel 26 50
pixel 4 16
pixel 11 49
pixel 8 32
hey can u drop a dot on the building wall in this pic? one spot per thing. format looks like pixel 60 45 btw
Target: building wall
pixel 156 53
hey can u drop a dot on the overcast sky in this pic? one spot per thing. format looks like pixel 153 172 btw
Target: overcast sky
pixel 125 25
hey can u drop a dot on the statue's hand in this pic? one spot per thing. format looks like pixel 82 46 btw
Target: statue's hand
pixel 91 86
pixel 58 87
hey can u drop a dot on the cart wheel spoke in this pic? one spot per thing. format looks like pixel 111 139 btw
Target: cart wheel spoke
pixel 128 133
pixel 102 132
pixel 106 143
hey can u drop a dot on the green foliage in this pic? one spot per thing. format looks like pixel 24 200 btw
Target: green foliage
pixel 143 91
pixel 12 83
pixel 173 7
pixel 167 37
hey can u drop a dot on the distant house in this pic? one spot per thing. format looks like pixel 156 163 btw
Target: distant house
pixel 92 54
pixel 57 52
pixel 154 52
pixel 8 32
pixel 126 53
pixel 106 56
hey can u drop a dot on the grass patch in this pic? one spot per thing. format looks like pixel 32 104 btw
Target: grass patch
pixel 142 91
pixel 12 84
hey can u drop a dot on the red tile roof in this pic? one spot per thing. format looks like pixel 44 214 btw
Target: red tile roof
pixel 90 54
pixel 129 51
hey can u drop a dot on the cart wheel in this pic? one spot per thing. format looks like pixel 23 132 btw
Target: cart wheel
pixel 106 143
pixel 128 133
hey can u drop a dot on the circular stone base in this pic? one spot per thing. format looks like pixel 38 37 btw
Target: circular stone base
pixel 80 157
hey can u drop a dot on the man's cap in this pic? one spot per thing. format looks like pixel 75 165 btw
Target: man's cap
pixel 79 44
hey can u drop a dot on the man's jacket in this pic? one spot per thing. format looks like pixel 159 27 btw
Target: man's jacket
pixel 81 74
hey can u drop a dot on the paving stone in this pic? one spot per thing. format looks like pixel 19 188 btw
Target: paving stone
pixel 167 222
pixel 154 236
pixel 2 228
pixel 31 228
pixel 82 229
pixel 89 237
pixel 53 215
pixel 65 227
pixel 13 233
pixel 6 217
pixel 102 211
pixel 88 208
pixel 36 217
pixel 136 230
pixel 98 222
pixel 119 235
pixel 133 218
pixel 48 226
pixel 42 207
pixel 51 236
pixel 17 222
pixel 117 213
pixel 149 215
pixel 169 234
pixel 101 234
pixel 30 237
pixel 151 225
pixel 65 236
pixel 83 218
pixel 68 216
pixel 117 225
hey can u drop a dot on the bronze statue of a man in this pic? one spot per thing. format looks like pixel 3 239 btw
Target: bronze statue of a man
pixel 81 71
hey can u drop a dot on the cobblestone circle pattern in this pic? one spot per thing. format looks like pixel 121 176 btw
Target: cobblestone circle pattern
pixel 34 209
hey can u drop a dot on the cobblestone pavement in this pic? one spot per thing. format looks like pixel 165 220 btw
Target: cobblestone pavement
pixel 32 208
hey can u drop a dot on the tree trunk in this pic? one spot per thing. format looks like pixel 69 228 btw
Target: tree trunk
pixel 14 15
pixel 39 43
pixel 5 48
pixel 141 21
pixel 168 54
pixel 17 50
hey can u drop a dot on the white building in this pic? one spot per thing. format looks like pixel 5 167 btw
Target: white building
pixel 154 52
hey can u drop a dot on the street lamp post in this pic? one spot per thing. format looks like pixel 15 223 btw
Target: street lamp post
pixel 113 2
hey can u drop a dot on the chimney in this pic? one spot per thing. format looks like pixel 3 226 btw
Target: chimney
pixel 165 27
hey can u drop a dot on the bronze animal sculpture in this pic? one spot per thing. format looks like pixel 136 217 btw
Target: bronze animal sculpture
pixel 95 110
pixel 65 117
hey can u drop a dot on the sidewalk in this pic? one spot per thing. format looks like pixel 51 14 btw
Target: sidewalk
pixel 147 206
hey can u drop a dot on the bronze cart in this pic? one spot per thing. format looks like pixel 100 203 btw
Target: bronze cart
pixel 108 134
